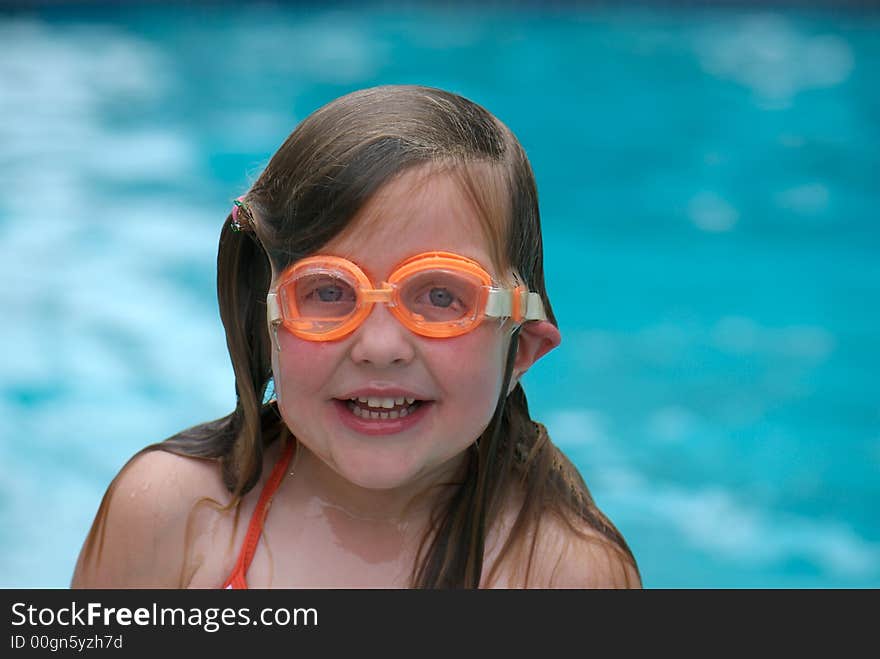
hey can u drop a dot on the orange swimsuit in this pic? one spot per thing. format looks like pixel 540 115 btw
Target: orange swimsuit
pixel 237 580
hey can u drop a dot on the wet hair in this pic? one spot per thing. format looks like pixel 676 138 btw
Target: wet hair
pixel 311 191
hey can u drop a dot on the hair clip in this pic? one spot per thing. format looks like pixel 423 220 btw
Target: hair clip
pixel 242 220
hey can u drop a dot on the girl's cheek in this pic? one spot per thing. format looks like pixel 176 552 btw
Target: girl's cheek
pixel 472 362
pixel 482 348
pixel 301 365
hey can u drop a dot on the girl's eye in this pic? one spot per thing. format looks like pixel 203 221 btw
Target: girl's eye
pixel 441 297
pixel 329 293
pixel 320 294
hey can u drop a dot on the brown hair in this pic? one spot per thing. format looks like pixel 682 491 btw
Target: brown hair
pixel 312 188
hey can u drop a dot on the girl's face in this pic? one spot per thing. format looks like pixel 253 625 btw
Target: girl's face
pixel 457 379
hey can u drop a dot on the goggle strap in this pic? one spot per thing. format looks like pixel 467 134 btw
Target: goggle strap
pixel 273 316
pixel 273 309
pixel 534 307
pixel 499 304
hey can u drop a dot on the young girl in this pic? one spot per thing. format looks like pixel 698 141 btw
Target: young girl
pixel 384 278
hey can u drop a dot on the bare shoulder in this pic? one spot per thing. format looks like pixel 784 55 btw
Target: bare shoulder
pixel 140 533
pixel 575 555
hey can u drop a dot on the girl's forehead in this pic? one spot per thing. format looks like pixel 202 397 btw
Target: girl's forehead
pixel 418 211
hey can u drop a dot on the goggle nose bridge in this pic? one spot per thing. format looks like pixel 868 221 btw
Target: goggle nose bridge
pixel 373 295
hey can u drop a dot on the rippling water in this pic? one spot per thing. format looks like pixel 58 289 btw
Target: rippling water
pixel 710 201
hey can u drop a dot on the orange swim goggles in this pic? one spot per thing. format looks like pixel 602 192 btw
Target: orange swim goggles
pixel 435 294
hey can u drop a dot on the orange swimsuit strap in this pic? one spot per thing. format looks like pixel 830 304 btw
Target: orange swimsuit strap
pixel 236 580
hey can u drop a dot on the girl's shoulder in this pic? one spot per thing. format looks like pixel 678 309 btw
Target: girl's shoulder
pixel 160 487
pixel 139 538
pixel 569 553
pixel 561 551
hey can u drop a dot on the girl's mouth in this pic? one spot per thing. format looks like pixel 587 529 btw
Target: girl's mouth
pixel 381 416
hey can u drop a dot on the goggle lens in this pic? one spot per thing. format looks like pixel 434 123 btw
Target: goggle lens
pixel 324 296
pixel 439 296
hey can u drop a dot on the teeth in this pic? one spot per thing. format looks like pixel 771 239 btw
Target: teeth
pixel 384 403
pixel 367 414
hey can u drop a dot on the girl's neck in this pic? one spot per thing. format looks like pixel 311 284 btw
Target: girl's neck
pixel 318 485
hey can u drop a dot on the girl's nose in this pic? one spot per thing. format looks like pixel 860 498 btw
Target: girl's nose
pixel 381 340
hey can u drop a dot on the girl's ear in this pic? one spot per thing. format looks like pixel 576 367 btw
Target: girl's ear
pixel 536 339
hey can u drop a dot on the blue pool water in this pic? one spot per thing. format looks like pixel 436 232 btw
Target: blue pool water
pixel 709 190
